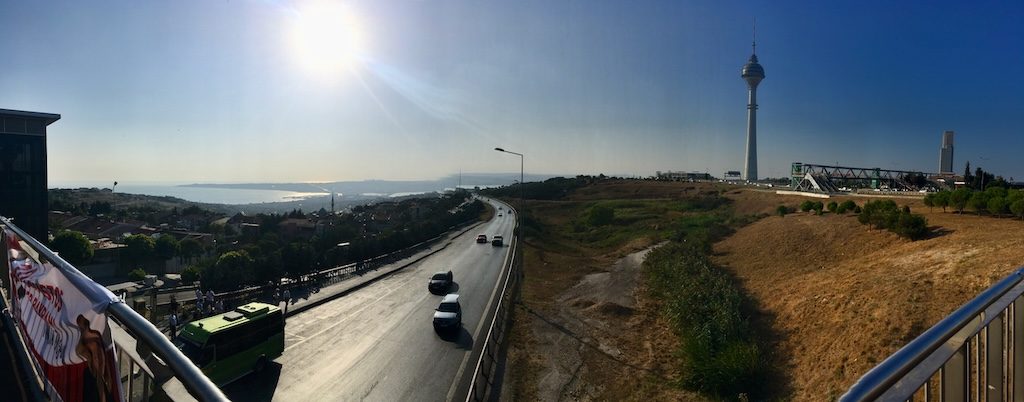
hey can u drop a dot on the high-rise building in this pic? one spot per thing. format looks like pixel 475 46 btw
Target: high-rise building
pixel 752 73
pixel 23 169
pixel 946 153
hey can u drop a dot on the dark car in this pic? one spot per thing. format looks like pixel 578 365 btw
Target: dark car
pixel 448 315
pixel 440 282
pixel 481 238
pixel 497 241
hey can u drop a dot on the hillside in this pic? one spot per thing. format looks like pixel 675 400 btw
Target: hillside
pixel 839 298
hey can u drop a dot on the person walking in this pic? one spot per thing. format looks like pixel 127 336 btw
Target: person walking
pixel 220 306
pixel 173 321
pixel 209 299
pixel 287 299
pixel 174 304
pixel 199 300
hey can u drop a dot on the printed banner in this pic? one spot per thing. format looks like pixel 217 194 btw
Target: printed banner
pixel 62 317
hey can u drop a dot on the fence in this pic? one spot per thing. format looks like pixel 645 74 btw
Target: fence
pixel 148 359
pixel 480 387
pixel 329 276
pixel 975 353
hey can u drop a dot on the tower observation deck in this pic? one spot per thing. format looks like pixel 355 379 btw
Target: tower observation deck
pixel 752 73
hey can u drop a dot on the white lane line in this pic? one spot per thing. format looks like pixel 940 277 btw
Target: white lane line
pixel 479 326
pixel 365 306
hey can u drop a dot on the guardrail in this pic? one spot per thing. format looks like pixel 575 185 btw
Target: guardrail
pixel 148 338
pixel 480 386
pixel 975 353
pixel 333 275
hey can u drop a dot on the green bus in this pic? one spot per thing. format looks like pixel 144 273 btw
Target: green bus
pixel 231 345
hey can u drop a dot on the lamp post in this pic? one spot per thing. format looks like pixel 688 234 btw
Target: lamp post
pixel 522 198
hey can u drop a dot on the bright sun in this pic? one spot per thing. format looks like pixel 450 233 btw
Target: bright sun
pixel 325 38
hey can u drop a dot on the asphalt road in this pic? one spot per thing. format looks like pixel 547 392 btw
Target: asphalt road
pixel 378 343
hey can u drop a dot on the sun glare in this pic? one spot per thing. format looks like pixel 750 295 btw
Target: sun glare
pixel 325 38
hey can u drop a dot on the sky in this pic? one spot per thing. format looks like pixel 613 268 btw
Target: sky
pixel 288 91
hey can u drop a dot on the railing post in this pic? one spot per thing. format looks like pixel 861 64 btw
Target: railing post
pixel 994 360
pixel 1016 361
pixel 954 376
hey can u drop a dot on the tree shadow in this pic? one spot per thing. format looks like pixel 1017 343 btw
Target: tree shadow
pixel 937 231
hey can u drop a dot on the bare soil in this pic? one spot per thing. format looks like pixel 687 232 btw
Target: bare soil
pixel 839 298
pixel 833 297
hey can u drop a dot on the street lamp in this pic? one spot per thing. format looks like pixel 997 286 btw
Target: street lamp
pixel 522 198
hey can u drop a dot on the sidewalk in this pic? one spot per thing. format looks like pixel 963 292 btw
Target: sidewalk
pixel 305 299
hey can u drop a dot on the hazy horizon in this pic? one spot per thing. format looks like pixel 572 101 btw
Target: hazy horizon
pixel 284 91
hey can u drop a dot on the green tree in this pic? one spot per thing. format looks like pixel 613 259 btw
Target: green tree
pixel 297 258
pixel 942 199
pixel 189 249
pixel 833 206
pixel 166 247
pixel 996 205
pixel 978 202
pixel 232 270
pixel 138 248
pixel 958 198
pixel 73 247
pixel 782 210
pixel 929 200
pixel 600 215
pixel 1017 207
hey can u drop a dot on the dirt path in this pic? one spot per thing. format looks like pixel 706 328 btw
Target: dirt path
pixel 585 349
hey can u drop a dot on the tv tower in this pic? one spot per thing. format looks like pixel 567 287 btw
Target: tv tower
pixel 753 73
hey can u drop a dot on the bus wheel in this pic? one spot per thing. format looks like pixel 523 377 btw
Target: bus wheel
pixel 261 364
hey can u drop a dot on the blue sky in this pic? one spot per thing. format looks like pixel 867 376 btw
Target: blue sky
pixel 270 91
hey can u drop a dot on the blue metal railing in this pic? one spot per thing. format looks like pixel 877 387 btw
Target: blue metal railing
pixel 145 334
pixel 972 354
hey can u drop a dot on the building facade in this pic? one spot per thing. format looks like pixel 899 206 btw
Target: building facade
pixel 23 169
pixel 946 153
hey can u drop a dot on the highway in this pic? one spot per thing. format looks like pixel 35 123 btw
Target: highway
pixel 378 343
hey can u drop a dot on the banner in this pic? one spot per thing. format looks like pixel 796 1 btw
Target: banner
pixel 62 317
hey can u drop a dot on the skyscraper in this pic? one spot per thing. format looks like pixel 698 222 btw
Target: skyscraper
pixel 946 154
pixel 753 73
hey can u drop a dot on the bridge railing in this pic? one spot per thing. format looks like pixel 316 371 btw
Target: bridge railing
pixel 485 372
pixel 141 343
pixel 976 353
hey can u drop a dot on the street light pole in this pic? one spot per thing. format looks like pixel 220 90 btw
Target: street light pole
pixel 522 197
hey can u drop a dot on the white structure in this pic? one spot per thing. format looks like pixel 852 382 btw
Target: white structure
pixel 753 73
pixel 946 154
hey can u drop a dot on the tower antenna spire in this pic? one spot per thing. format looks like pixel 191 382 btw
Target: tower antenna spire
pixel 753 44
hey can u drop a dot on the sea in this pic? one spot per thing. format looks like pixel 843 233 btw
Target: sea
pixel 202 194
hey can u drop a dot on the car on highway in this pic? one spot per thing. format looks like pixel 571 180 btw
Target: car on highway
pixel 448 314
pixel 499 215
pixel 481 239
pixel 497 240
pixel 440 282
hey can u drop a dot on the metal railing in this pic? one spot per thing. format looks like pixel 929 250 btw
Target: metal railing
pixel 149 339
pixel 480 386
pixel 976 353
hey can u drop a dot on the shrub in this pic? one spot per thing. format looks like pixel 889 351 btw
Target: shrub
pixel 807 206
pixel 782 210
pixel 189 275
pixel 137 274
pixel 886 215
pixel 721 355
pixel 832 207
pixel 600 215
